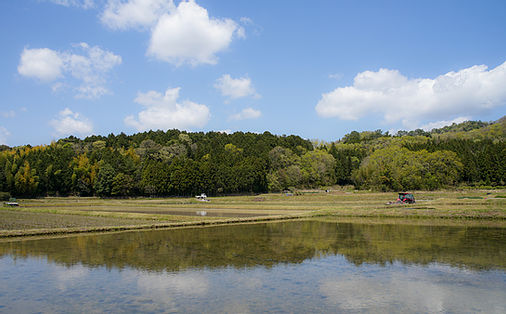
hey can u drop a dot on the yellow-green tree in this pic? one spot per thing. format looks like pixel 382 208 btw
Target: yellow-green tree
pixel 26 181
pixel 83 175
pixel 398 168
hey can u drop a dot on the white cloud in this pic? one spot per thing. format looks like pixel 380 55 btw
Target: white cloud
pixel 335 76
pixel 43 64
pixel 164 112
pixel 89 69
pixel 397 98
pixel 186 34
pixel 440 124
pixel 248 113
pixel 235 88
pixel 121 15
pixel 84 4
pixel 8 114
pixel 246 20
pixel 71 123
pixel 251 25
pixel 4 133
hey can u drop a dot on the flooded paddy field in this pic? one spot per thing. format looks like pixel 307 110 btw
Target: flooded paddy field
pixel 65 212
pixel 313 265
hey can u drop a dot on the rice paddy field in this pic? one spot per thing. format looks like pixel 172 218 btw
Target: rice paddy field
pixel 78 214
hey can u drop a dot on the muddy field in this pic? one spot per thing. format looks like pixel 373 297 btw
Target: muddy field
pixel 21 220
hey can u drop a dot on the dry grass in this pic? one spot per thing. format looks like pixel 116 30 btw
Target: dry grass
pixel 76 214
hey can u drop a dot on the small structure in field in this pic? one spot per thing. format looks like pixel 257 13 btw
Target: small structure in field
pixel 12 203
pixel 287 192
pixel 404 198
pixel 202 197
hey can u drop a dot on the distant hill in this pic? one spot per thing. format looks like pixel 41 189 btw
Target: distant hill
pixel 469 153
pixel 466 130
pixel 474 130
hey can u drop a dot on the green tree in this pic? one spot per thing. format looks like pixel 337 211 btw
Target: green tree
pixel 104 181
pixel 397 168
pixel 318 168
pixel 122 185
pixel 156 178
pixel 285 170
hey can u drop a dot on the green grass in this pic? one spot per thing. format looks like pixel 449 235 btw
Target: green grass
pixel 91 214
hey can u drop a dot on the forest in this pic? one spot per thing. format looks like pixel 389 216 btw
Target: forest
pixel 180 163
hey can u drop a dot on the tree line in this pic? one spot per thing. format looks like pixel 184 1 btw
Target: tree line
pixel 169 163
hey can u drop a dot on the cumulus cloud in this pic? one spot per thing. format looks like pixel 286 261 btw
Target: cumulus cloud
pixel 248 113
pixel 186 34
pixel 398 98
pixel 89 68
pixel 4 133
pixel 162 111
pixel 121 15
pixel 43 64
pixel 235 88
pixel 180 34
pixel 84 4
pixel 71 123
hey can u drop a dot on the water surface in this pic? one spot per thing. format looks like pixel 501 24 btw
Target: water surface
pixel 299 266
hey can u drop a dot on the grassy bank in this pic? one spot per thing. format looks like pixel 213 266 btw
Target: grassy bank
pixel 75 214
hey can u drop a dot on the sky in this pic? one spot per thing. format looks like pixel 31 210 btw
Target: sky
pixel 318 69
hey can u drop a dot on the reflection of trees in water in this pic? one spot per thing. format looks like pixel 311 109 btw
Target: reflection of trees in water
pixel 266 245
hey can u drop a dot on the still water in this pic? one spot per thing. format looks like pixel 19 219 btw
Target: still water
pixel 296 267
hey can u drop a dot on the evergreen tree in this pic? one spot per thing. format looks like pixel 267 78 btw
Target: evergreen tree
pixel 105 179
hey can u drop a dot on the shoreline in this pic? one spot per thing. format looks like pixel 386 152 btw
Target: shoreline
pixel 471 221
pixel 172 225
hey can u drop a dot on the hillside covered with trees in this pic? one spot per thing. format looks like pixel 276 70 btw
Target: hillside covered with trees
pixel 170 163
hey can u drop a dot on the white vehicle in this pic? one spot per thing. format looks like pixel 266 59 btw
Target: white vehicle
pixel 202 197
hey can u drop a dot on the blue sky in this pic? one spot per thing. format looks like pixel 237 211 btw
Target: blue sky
pixel 318 69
